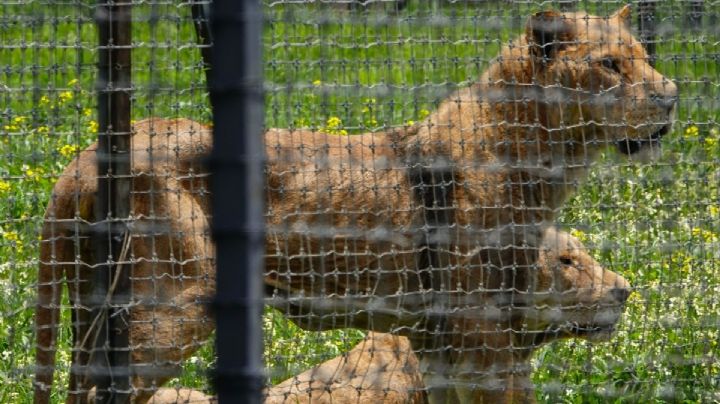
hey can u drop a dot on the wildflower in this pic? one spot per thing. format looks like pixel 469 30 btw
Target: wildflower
pixel 578 234
pixel 65 96
pixel 714 210
pixel 43 129
pixel 92 127
pixel 87 112
pixel 706 235
pixel 317 83
pixel 44 100
pixel 10 128
pixel 410 123
pixel 14 239
pixel 72 82
pixel 423 113
pixel 711 141
pixel 4 187
pixel 691 131
pixel 334 126
pixel 33 174
pixel 68 150
pixel 19 120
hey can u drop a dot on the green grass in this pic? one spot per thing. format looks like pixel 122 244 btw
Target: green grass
pixel 327 68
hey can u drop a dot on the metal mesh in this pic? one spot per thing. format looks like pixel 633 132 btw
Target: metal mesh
pixel 370 235
pixel 439 226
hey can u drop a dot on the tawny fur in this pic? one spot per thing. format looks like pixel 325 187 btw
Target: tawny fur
pixel 574 292
pixel 170 395
pixel 173 271
pixel 348 242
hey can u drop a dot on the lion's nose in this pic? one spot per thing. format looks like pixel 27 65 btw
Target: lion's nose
pixel 620 294
pixel 666 102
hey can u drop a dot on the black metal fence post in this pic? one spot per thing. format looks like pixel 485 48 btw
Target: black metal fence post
pixel 236 164
pixel 201 15
pixel 110 356
pixel 646 22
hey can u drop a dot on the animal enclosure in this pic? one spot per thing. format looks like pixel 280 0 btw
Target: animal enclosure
pixel 533 224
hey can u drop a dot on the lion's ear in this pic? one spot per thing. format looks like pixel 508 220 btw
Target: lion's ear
pixel 547 33
pixel 623 15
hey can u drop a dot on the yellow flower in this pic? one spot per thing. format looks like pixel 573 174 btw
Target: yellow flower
pixel 65 96
pixel 317 83
pixel 14 239
pixel 43 129
pixel 10 128
pixel 711 141
pixel 423 113
pixel 410 123
pixel 44 100
pixel 691 131
pixel 333 126
pixel 4 187
pixel 68 150
pixel 32 174
pixel 714 210
pixel 706 235
pixel 87 112
pixel 72 82
pixel 334 122
pixel 93 127
pixel 578 234
pixel 18 120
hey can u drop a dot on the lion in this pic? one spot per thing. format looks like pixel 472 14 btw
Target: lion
pixel 171 395
pixel 403 231
pixel 421 231
pixel 173 273
pixel 577 298
pixel 364 230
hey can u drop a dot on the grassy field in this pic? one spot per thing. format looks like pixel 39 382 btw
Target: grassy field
pixel 347 72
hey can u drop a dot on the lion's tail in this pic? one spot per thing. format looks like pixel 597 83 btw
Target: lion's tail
pixel 53 256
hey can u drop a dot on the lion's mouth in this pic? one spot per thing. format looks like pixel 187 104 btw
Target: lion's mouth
pixel 575 330
pixel 630 147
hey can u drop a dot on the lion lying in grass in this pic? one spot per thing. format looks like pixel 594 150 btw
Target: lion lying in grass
pixel 577 297
pixel 408 230
pixel 579 294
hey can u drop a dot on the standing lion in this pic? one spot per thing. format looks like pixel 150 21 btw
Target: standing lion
pixel 421 232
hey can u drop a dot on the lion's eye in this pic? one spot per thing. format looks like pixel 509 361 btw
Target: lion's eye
pixel 610 64
pixel 566 261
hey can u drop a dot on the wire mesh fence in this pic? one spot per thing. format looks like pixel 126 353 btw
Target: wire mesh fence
pixel 466 201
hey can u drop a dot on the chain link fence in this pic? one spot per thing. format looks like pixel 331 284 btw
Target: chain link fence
pixel 466 201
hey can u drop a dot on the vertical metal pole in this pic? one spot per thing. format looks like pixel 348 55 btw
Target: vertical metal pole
pixel 646 22
pixel 201 15
pixel 695 14
pixel 110 356
pixel 236 164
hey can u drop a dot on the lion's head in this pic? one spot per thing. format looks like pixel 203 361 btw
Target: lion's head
pixel 573 294
pixel 606 80
pixel 591 79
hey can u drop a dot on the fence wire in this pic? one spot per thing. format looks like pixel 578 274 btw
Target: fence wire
pixel 466 201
